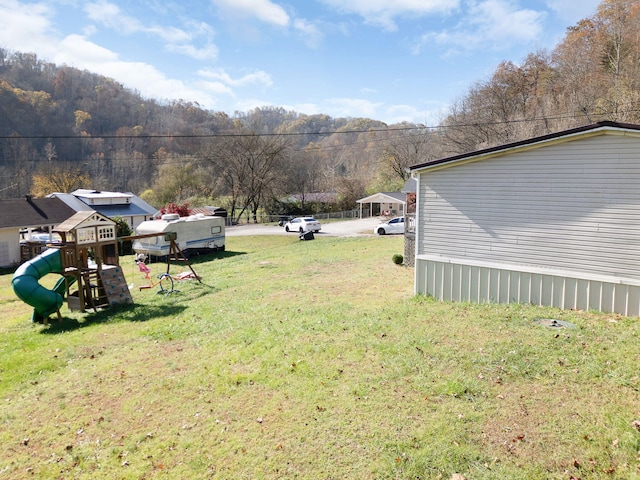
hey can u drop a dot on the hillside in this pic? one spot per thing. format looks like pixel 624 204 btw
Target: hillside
pixel 57 121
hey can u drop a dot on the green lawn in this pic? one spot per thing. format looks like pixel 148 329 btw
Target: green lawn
pixel 314 360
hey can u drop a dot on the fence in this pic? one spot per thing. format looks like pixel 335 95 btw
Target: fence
pixel 345 215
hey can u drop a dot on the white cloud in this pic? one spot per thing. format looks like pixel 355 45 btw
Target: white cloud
pixel 78 52
pixel 383 12
pixel 26 28
pixel 487 24
pixel 208 52
pixel 408 113
pixel 498 20
pixel 402 113
pixel 353 107
pixel 171 35
pixel 217 88
pixel 573 10
pixel 310 31
pixel 110 15
pixel 176 40
pixel 255 78
pixel 263 10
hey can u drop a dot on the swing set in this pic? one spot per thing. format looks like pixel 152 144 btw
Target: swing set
pixel 164 279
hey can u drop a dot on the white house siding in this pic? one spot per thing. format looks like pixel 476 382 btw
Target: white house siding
pixel 9 247
pixel 556 225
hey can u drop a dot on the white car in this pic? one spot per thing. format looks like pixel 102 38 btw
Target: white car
pixel 395 225
pixel 302 224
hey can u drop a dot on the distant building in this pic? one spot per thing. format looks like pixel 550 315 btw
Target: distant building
pixel 386 204
pixel 20 218
pixel 127 206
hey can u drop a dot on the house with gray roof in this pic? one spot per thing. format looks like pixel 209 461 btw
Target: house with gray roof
pixel 20 218
pixel 127 206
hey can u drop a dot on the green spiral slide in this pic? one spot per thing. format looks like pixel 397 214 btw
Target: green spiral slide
pixel 26 284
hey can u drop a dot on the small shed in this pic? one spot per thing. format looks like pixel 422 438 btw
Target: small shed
pixel 388 204
pixel 553 220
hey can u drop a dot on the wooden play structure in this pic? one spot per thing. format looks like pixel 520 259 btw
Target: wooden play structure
pixel 89 257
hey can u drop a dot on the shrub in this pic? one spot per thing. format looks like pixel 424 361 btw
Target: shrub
pixel 123 230
pixel 397 259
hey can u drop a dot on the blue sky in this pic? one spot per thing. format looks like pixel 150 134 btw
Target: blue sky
pixel 390 60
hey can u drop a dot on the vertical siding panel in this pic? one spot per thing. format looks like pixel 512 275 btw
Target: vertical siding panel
pixel 633 302
pixel 535 289
pixel 440 276
pixel 558 292
pixel 475 282
pixel 546 296
pixel 621 299
pixel 515 279
pixel 446 281
pixel 483 285
pixel 607 300
pixel 456 283
pixel 504 291
pixel 595 295
pixel 570 292
pixel 582 298
pixel 494 285
pixel 525 288
pixel 418 275
pixel 465 282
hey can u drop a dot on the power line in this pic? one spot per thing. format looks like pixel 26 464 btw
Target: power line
pixel 416 127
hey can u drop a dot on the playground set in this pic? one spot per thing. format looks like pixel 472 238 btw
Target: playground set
pixel 87 257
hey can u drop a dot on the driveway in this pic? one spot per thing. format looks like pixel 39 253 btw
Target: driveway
pixel 343 228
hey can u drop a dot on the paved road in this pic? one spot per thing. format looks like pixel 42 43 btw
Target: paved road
pixel 344 228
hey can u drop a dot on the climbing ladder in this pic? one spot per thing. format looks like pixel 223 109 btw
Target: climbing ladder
pixel 99 288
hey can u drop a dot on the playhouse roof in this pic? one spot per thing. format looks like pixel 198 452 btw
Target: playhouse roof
pixel 81 219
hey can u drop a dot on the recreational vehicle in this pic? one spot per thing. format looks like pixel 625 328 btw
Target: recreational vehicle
pixel 193 235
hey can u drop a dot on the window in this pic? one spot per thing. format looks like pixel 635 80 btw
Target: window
pixel 86 235
pixel 106 233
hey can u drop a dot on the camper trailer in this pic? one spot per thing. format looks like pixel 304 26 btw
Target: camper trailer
pixel 194 234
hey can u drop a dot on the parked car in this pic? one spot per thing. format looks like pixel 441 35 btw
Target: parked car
pixel 38 237
pixel 302 224
pixel 395 225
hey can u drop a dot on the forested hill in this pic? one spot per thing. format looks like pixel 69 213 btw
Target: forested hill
pixel 52 113
pixel 61 128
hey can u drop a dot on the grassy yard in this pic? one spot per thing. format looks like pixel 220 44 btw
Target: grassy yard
pixel 313 360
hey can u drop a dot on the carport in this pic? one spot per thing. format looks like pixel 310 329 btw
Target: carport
pixel 388 204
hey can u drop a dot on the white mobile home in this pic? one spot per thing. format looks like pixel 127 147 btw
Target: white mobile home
pixel 194 234
pixel 554 221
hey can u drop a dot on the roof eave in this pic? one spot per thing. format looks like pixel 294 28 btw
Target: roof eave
pixel 533 143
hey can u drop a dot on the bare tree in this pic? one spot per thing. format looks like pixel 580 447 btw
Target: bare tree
pixel 249 166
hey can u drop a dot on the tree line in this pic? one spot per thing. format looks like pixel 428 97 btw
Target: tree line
pixel 62 128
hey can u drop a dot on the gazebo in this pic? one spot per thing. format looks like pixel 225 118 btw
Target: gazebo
pixel 387 204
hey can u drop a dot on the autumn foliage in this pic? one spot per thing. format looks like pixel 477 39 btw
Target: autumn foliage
pixel 182 210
